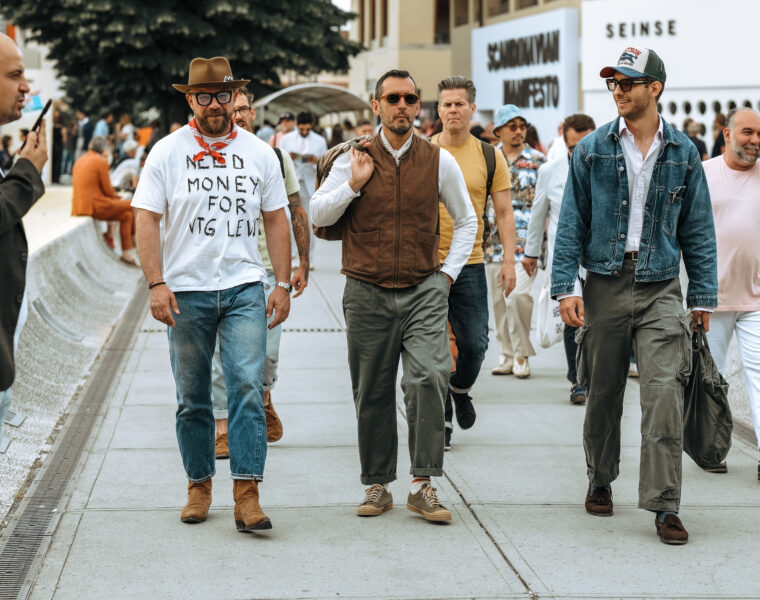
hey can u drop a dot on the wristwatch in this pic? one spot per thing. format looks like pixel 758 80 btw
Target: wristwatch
pixel 286 285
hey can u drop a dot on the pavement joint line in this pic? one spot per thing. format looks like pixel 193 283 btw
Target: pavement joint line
pixel 34 526
pixel 531 594
pixel 327 304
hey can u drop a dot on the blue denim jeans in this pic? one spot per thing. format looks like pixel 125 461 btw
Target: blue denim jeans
pixel 272 360
pixel 238 316
pixel 468 315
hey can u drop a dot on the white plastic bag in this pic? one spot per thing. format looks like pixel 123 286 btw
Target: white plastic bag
pixel 550 325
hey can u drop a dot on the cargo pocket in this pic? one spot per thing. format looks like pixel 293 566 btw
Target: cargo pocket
pixel 685 350
pixel 581 357
pixel 426 252
pixel 362 252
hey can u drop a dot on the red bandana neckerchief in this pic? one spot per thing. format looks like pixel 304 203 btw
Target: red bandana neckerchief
pixel 211 149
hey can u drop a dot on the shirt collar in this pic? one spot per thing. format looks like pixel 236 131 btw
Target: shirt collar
pixel 396 154
pixel 623 128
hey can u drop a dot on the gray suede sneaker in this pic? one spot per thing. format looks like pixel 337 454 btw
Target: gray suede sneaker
pixel 376 501
pixel 425 503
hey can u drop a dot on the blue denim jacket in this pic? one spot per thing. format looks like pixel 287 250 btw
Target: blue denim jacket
pixel 678 216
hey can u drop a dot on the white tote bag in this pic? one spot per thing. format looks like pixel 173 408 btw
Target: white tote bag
pixel 550 325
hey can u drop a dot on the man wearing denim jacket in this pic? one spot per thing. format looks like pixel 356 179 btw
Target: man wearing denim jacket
pixel 635 200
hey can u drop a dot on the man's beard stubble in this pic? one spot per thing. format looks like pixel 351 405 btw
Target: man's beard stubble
pixel 216 127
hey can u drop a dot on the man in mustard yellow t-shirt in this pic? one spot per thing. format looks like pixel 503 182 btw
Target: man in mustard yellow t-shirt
pixel 468 297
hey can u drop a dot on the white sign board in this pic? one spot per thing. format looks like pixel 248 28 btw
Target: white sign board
pixel 708 65
pixel 532 63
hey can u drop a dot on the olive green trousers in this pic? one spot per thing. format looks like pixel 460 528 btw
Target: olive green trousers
pixel 622 314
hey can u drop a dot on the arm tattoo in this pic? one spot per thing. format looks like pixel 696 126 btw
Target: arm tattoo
pixel 300 222
pixel 294 202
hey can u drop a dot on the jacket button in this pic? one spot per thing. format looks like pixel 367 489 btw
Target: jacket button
pixel 622 236
pixel 615 272
pixel 625 202
pixel 19 299
pixel 23 256
pixel 622 168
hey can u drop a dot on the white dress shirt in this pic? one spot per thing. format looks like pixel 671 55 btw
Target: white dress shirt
pixel 313 144
pixel 332 198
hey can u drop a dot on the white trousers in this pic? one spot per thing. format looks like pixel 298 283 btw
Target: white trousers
pixel 723 324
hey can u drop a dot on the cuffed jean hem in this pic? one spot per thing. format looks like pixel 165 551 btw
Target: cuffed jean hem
pixel 246 477
pixel 427 472
pixel 220 414
pixel 268 388
pixel 202 478
pixel 458 390
pixel 378 479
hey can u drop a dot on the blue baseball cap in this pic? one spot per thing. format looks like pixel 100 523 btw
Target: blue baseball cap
pixel 505 114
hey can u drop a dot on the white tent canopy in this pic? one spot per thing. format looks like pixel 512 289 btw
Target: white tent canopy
pixel 318 98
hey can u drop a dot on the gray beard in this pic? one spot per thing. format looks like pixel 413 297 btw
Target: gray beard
pixel 399 129
pixel 205 124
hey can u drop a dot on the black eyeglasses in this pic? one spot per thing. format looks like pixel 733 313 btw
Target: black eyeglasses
pixel 396 98
pixel 626 84
pixel 206 98
pixel 243 110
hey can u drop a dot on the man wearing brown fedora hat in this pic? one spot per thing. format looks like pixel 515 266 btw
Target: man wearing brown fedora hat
pixel 213 181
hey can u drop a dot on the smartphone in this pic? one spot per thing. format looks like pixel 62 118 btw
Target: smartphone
pixel 38 122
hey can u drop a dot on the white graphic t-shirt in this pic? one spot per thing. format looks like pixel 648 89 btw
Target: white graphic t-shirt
pixel 211 210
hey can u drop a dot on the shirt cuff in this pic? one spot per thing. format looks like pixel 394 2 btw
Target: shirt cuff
pixel 577 291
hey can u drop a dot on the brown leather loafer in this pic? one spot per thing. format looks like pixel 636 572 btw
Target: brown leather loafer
pixel 198 502
pixel 671 530
pixel 600 502
pixel 222 447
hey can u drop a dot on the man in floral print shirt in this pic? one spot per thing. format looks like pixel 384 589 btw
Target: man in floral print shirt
pixel 513 314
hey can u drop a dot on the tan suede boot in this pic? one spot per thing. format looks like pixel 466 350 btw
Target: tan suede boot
pixel 274 425
pixel 198 501
pixel 248 513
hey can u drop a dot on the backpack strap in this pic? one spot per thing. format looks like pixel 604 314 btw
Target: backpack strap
pixel 489 154
pixel 278 152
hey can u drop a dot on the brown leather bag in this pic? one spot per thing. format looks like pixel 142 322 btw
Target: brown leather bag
pixel 334 232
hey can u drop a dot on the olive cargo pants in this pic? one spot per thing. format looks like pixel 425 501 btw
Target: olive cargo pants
pixel 383 324
pixel 619 313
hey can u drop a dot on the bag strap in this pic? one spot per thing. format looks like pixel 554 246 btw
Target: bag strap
pixel 278 152
pixel 489 154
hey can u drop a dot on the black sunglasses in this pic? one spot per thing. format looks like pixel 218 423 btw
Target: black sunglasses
pixel 626 84
pixel 396 98
pixel 206 98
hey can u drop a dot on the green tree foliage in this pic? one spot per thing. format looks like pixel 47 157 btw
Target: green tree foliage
pixel 123 55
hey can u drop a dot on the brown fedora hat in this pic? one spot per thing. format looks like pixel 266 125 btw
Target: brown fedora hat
pixel 210 73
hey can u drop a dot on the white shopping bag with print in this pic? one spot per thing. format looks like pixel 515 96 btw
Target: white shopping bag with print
pixel 550 325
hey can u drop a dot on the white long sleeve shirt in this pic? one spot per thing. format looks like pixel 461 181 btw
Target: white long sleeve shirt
pixel 333 197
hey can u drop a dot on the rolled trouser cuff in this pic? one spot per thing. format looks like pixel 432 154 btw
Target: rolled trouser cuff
pixel 426 472
pixel 378 479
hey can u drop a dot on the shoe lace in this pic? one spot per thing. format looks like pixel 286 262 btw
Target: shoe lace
pixel 429 494
pixel 373 493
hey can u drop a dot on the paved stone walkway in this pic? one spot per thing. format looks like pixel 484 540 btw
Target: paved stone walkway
pixel 515 483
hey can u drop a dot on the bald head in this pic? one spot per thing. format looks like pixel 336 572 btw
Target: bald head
pixel 742 134
pixel 13 85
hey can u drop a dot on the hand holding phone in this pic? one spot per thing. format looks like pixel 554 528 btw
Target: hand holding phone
pixel 34 147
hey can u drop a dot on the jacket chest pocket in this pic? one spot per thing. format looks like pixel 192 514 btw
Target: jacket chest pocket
pixel 672 211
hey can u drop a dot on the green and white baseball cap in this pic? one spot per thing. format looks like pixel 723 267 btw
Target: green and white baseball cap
pixel 637 62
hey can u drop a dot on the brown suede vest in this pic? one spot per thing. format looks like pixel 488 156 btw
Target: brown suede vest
pixel 390 232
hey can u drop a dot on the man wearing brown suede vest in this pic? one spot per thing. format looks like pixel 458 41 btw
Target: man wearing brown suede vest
pixel 384 202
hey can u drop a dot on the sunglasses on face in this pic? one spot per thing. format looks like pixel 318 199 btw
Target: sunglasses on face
pixel 206 98
pixel 516 126
pixel 243 110
pixel 396 98
pixel 625 84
